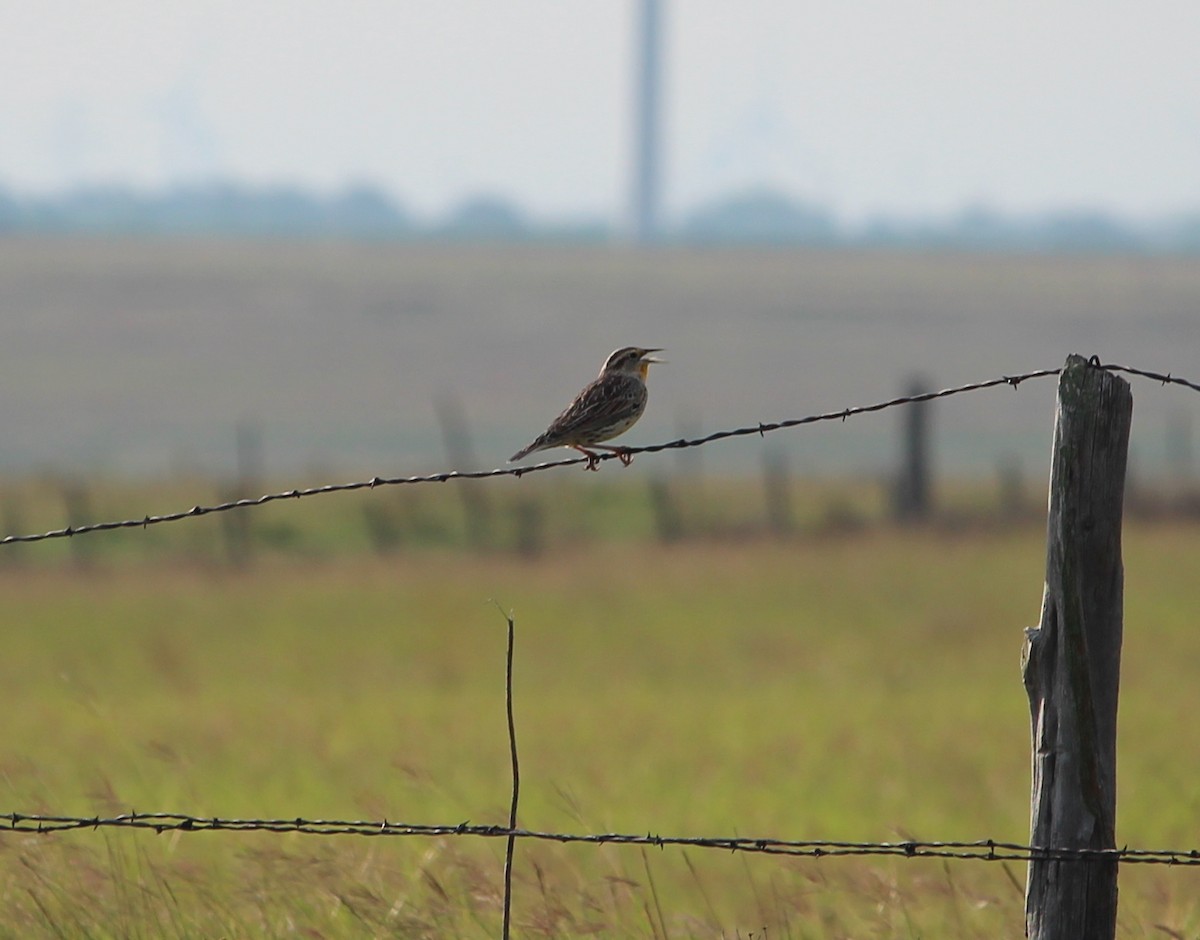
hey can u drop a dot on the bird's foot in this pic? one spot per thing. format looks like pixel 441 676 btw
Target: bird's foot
pixel 623 454
pixel 593 459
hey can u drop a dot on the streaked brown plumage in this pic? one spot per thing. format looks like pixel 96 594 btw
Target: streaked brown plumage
pixel 608 406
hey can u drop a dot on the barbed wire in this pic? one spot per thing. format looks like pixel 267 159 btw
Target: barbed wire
pixel 980 850
pixel 1166 378
pixel 761 429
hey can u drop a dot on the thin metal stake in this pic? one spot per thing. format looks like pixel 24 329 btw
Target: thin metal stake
pixel 516 781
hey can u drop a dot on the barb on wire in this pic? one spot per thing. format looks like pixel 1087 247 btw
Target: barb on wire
pixel 761 429
pixel 981 850
pixel 444 477
pixel 1164 378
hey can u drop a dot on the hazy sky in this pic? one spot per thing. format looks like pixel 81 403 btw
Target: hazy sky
pixel 866 105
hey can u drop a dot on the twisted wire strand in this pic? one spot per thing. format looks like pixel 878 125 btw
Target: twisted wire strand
pixel 980 850
pixel 761 429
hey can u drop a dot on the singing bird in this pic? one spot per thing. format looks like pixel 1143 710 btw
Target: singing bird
pixel 608 406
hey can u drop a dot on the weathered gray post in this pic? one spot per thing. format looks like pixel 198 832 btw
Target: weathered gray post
pixel 1071 661
pixel 911 499
pixel 461 455
pixel 239 535
pixel 777 490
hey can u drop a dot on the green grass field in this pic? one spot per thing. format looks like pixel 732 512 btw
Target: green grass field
pixel 682 668
pixel 859 687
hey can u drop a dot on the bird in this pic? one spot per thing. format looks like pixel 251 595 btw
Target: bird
pixel 609 405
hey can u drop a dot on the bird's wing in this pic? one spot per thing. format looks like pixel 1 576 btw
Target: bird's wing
pixel 603 403
pixel 600 404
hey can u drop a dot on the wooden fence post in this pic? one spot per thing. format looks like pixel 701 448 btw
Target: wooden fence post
pixel 1071 661
pixel 237 525
pixel 777 490
pixel 911 496
pixel 461 455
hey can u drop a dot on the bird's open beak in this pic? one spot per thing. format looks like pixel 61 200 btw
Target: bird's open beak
pixel 646 357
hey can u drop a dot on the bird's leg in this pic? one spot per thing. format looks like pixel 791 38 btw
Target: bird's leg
pixel 623 453
pixel 593 459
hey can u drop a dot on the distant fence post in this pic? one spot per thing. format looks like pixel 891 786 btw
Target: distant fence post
pixel 78 504
pixel 668 519
pixel 777 490
pixel 461 454
pixel 237 526
pixel 911 497
pixel 1071 661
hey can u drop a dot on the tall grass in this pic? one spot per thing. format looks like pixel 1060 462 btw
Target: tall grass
pixel 860 687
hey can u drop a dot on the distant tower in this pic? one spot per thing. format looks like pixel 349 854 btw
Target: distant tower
pixel 646 131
